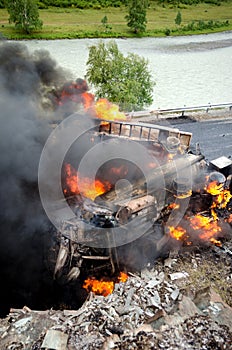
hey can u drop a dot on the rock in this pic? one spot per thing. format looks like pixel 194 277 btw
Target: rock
pixel 147 328
pixel 219 310
pixel 187 308
pixel 55 340
pixel 175 294
pixel 22 324
pixel 155 299
pixel 178 275
pixel 111 342
pixel 169 262
pixel 202 298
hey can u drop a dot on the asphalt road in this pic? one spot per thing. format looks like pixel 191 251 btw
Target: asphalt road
pixel 214 136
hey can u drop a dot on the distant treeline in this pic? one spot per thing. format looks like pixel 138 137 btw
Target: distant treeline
pixel 82 4
pixel 190 2
pixel 98 4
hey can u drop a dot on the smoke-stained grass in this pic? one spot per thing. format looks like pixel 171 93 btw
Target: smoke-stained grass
pixel 76 23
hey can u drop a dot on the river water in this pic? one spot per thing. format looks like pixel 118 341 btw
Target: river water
pixel 188 70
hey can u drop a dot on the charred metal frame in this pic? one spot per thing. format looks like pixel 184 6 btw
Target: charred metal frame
pixel 144 132
pixel 118 213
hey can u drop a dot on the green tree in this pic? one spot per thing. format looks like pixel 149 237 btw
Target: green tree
pixel 137 17
pixel 125 80
pixel 178 18
pixel 25 14
pixel 105 24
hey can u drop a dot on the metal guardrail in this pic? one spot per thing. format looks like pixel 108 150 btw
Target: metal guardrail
pixel 181 110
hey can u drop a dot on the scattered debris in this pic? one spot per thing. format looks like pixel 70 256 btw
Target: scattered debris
pixel 151 310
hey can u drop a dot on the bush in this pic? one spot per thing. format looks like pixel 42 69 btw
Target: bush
pixel 201 25
pixel 213 2
pixel 97 7
pixel 178 18
pixel 117 4
pixel 190 2
pixel 42 6
pixel 82 4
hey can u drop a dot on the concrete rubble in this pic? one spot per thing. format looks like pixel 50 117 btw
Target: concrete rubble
pixel 157 308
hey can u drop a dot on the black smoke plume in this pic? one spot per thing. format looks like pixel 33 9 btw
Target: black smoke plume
pixel 25 232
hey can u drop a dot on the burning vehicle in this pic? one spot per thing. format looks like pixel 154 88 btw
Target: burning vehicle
pixel 153 193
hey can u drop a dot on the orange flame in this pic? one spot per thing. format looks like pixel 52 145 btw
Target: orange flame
pixel 122 277
pixel 76 92
pixel 98 287
pixel 208 227
pixel 120 171
pixel 107 110
pixel 214 188
pixel 170 157
pixel 184 195
pixel 216 242
pixel 221 197
pixel 174 206
pixel 101 287
pixel 87 99
pixel 75 184
pixel 177 232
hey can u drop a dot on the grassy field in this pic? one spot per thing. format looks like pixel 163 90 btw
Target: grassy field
pixel 75 23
